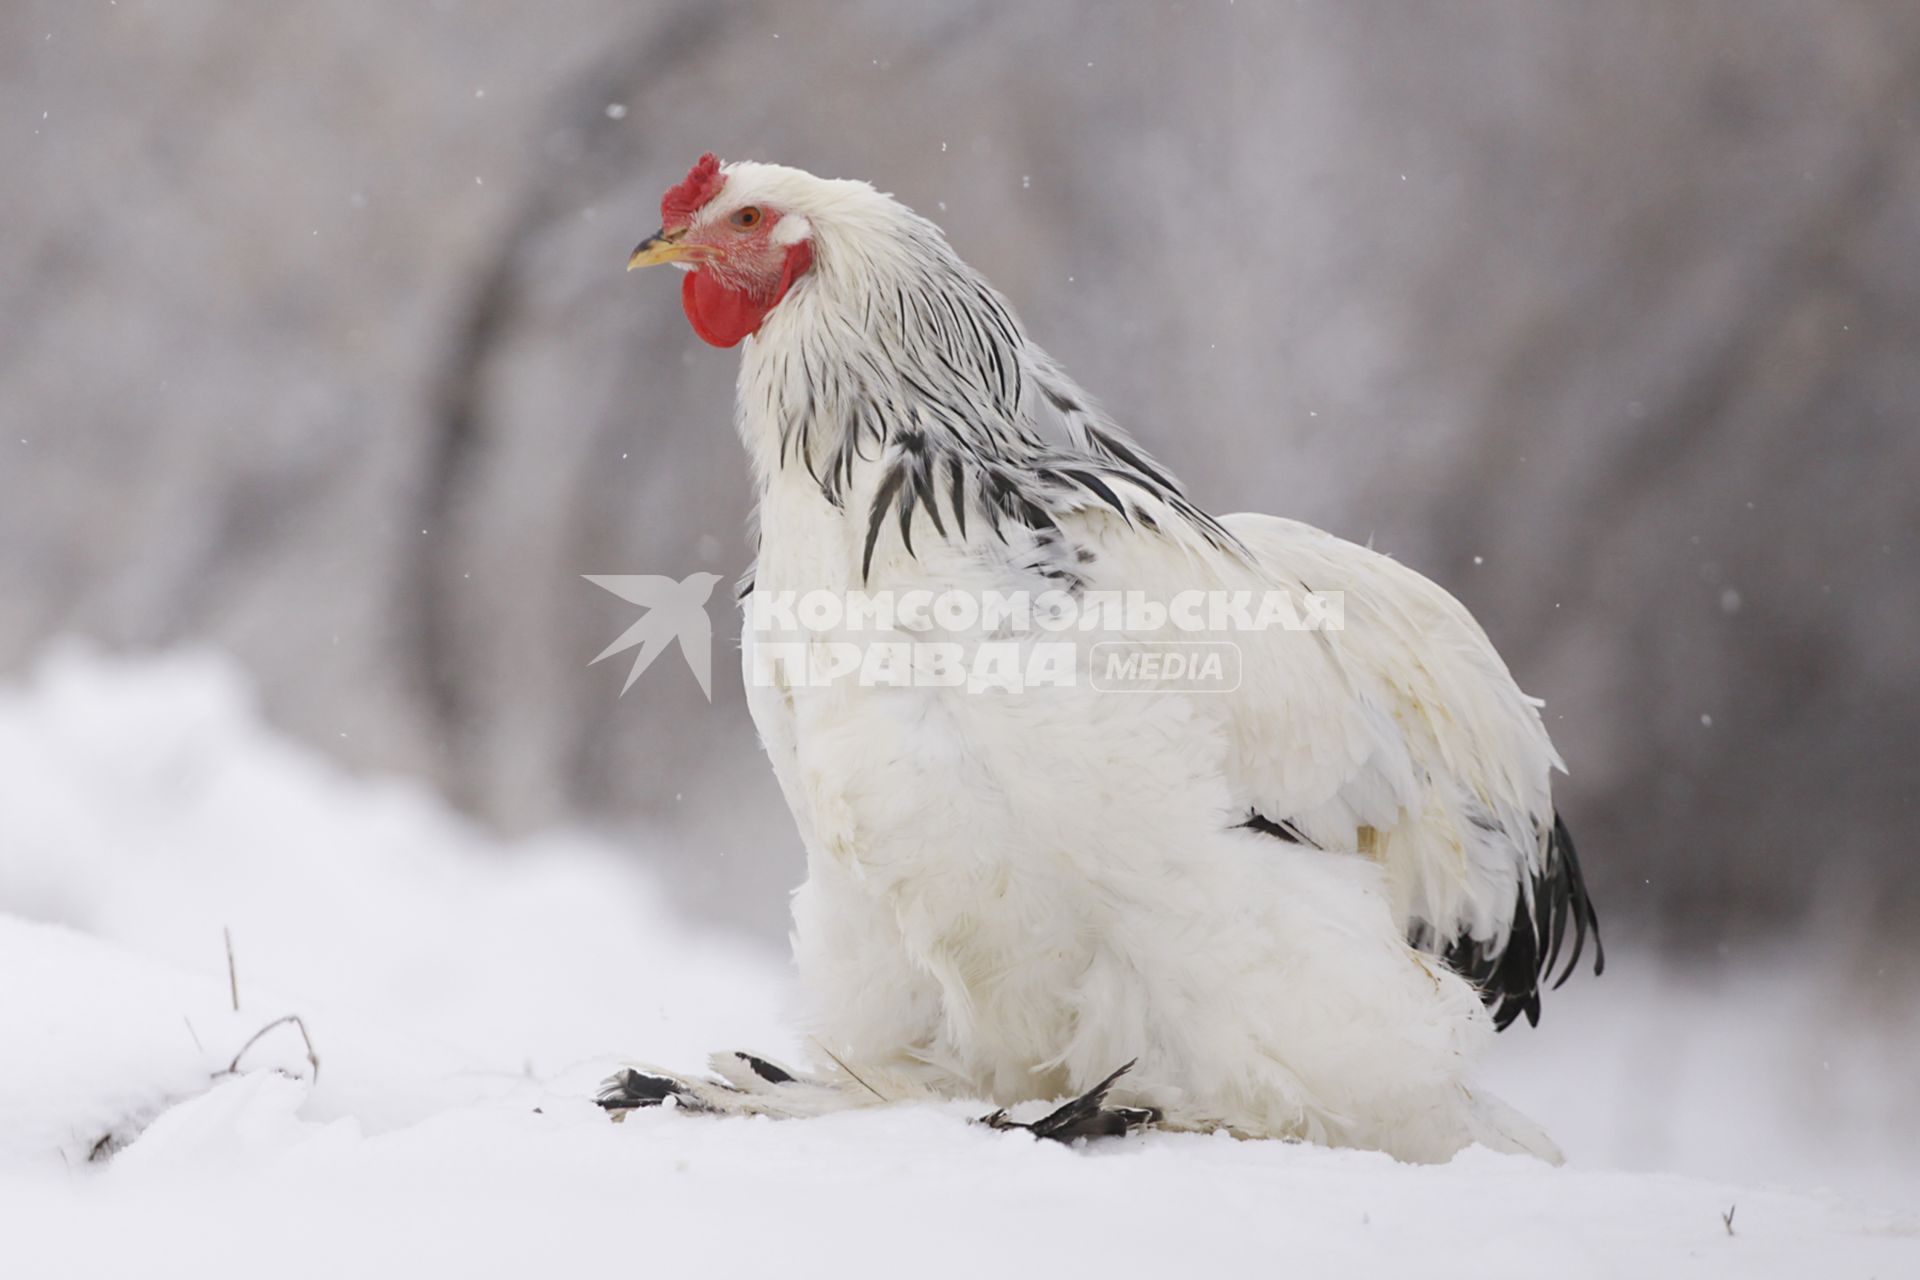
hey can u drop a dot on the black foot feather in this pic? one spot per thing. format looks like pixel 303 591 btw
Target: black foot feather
pixel 1087 1116
pixel 632 1089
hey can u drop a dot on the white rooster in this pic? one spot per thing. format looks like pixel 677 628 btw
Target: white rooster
pixel 1294 907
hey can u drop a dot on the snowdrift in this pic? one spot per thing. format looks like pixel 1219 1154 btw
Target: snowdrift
pixel 464 994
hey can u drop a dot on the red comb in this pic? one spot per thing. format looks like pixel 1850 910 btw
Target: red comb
pixel 702 183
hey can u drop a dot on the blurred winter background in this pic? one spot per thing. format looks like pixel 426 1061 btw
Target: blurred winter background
pixel 316 353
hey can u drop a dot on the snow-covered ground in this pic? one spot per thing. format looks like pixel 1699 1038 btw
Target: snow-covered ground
pixel 464 995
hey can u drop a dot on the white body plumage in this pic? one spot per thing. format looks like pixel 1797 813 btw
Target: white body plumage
pixel 1010 894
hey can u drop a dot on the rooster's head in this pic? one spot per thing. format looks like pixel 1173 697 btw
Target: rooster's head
pixel 739 234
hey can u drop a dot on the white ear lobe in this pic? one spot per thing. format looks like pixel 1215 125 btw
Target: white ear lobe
pixel 792 230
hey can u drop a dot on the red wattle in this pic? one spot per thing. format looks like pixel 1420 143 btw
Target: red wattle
pixel 722 317
pixel 719 315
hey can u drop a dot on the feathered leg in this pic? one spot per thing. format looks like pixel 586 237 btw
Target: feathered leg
pixel 747 1084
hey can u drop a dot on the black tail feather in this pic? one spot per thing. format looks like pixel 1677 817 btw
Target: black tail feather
pixel 1510 977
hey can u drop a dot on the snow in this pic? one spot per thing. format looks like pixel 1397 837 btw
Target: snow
pixel 465 994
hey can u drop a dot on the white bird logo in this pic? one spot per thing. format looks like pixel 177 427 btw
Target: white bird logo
pixel 674 611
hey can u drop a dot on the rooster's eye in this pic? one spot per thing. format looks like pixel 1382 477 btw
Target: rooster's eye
pixel 746 219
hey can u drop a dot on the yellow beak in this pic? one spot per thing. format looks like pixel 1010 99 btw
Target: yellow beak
pixel 663 246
